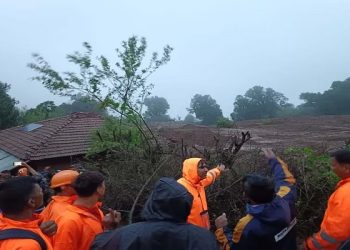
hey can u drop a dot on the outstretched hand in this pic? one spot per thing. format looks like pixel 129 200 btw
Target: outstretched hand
pixel 221 221
pixel 48 227
pixel 111 220
pixel 222 167
pixel 269 154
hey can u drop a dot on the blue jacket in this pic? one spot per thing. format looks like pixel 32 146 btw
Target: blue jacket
pixel 267 226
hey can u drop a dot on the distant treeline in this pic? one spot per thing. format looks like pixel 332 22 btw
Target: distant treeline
pixel 257 103
pixel 262 103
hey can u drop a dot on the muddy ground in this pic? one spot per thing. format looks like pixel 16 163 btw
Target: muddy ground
pixel 323 132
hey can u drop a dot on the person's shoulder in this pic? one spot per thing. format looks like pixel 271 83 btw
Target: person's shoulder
pixel 69 215
pixel 20 243
pixel 135 227
pixel 198 230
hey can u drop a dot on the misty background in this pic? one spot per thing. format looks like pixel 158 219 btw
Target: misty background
pixel 221 48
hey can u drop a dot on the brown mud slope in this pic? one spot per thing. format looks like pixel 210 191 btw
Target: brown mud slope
pixel 326 132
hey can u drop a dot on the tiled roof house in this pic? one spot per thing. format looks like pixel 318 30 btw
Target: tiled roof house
pixel 57 142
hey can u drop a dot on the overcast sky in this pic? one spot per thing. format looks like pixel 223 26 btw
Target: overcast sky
pixel 221 47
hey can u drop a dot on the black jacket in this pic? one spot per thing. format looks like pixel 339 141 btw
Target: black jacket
pixel 164 228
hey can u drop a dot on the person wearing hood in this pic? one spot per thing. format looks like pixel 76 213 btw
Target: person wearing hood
pixel 164 226
pixel 195 178
pixel 270 220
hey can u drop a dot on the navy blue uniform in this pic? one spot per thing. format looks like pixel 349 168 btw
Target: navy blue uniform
pixel 268 226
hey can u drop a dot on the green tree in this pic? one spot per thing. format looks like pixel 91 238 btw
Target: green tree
pixel 258 103
pixel 157 108
pixel 189 118
pixel 224 122
pixel 121 88
pixel 82 103
pixel 9 114
pixel 42 111
pixel 205 108
pixel 334 101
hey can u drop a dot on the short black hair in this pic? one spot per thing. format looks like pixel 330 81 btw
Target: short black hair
pixel 15 193
pixel 259 189
pixel 342 156
pixel 57 190
pixel 87 183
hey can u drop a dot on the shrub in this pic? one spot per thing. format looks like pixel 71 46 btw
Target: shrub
pixel 316 182
pixel 224 122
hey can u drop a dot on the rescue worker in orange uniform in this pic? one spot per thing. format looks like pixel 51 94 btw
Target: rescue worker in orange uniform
pixel 19 197
pixel 335 231
pixel 65 194
pixel 83 220
pixel 195 178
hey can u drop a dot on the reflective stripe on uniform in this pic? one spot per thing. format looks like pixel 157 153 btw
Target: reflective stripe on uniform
pixel 288 176
pixel 284 190
pixel 213 175
pixel 242 223
pixel 285 230
pixel 316 243
pixel 328 238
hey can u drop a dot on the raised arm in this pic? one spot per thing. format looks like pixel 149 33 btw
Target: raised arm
pixel 212 175
pixel 284 180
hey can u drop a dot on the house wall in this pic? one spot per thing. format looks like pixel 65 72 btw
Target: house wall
pixel 57 163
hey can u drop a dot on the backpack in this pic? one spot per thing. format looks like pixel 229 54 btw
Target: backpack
pixel 16 233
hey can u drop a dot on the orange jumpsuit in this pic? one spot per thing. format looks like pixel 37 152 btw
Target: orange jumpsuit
pixel 191 181
pixel 334 228
pixel 77 228
pixel 23 244
pixel 57 206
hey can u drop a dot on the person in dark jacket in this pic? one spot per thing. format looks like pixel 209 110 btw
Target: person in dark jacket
pixel 270 220
pixel 165 228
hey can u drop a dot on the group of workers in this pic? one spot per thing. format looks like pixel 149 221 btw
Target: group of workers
pixel 175 216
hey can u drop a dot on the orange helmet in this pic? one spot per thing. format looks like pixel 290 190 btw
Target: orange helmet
pixel 64 177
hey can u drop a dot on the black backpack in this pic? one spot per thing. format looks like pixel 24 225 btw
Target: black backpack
pixel 15 233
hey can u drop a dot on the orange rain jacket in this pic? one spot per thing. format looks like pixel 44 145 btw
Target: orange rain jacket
pixel 23 244
pixel 77 228
pixel 57 206
pixel 334 228
pixel 191 181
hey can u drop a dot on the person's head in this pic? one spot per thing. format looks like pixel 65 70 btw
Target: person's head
pixel 194 169
pixel 5 175
pixel 169 201
pixel 48 169
pixel 23 172
pixel 62 182
pixel 202 169
pixel 20 194
pixel 90 183
pixel 258 189
pixel 341 163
